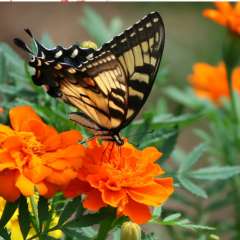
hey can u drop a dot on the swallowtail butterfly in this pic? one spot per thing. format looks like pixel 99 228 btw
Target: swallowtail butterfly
pixel 108 85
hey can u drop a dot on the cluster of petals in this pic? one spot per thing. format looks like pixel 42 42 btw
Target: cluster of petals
pixel 125 178
pixel 210 82
pixel 35 157
pixel 226 15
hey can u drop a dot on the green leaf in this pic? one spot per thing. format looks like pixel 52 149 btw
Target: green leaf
pixel 185 97
pixel 24 217
pixel 74 233
pixel 172 217
pixel 71 208
pixel 4 234
pixel 192 187
pixel 192 158
pixel 175 220
pixel 86 220
pixel 43 212
pixel 8 212
pixel 157 212
pixel 215 173
pixel 105 227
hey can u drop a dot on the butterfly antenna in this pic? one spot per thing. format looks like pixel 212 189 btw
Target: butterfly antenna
pixel 21 44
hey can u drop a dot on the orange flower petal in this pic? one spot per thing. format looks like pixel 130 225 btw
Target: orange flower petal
pixel 8 189
pixel 52 189
pixel 137 212
pixel 61 177
pixel 113 198
pixel 5 132
pixel 224 7
pixel 215 16
pixel 76 187
pixel 42 189
pixel 70 137
pixel 12 143
pixel 20 115
pixel 37 173
pixel 93 200
pixel 25 185
pixel 152 195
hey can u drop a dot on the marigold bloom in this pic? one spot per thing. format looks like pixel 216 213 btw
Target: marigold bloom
pixel 210 82
pixel 225 15
pixel 125 178
pixel 34 155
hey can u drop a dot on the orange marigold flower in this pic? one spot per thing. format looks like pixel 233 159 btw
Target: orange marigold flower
pixel 226 15
pixel 34 155
pixel 125 178
pixel 210 82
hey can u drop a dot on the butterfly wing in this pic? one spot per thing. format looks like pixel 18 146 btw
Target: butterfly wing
pixel 139 51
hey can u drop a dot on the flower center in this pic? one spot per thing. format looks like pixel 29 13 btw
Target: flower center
pixel 31 143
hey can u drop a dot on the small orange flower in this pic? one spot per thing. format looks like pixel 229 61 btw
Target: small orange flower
pixel 34 155
pixel 225 15
pixel 125 178
pixel 210 82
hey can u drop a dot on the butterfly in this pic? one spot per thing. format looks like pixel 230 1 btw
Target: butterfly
pixel 108 85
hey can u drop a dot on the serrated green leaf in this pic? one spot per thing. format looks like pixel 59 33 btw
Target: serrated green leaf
pixel 192 187
pixel 192 158
pixel 71 208
pixel 43 211
pixel 172 217
pixel 215 173
pixel 24 217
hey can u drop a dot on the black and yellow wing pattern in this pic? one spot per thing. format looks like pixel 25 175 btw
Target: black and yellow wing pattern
pixel 108 85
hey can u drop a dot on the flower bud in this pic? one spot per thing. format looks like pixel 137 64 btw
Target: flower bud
pixel 89 44
pixel 130 231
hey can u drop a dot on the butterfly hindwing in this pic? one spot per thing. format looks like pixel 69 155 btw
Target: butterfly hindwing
pixel 97 88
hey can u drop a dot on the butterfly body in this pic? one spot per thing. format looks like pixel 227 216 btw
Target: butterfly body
pixel 108 85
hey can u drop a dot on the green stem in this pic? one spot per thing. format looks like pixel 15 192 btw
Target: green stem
pixel 233 100
pixel 35 213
